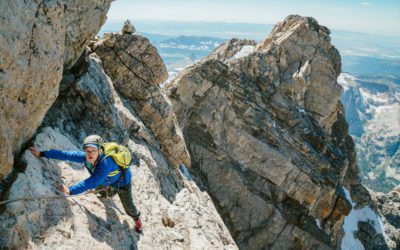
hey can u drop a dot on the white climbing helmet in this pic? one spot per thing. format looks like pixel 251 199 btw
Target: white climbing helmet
pixel 93 140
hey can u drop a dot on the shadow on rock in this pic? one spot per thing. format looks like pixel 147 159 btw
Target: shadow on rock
pixel 111 231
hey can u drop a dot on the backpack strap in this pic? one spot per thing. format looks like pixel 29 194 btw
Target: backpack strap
pixel 113 173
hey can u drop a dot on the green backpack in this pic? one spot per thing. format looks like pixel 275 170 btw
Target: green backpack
pixel 120 155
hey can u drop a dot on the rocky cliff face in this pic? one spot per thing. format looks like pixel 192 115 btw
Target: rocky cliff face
pixel 175 213
pixel 268 138
pixel 39 39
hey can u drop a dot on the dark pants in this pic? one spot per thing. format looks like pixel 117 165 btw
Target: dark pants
pixel 125 195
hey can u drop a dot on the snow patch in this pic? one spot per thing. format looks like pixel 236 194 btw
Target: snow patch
pixel 171 76
pixel 246 50
pixel 371 176
pixel 397 96
pixel 318 223
pixel 350 226
pixel 378 99
pixel 301 110
pixel 392 172
pixel 385 118
pixel 346 81
pixel 173 45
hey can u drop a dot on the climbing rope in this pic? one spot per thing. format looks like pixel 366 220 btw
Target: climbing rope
pixel 43 197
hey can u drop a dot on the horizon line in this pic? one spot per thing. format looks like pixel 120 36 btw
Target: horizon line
pixel 232 22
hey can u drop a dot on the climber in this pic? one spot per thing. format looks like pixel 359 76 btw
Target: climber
pixel 104 172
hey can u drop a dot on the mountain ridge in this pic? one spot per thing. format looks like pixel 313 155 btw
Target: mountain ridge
pixel 260 125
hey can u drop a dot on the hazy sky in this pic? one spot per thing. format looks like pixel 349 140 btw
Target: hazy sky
pixel 370 16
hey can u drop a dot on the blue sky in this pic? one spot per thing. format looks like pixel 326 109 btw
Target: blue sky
pixel 370 16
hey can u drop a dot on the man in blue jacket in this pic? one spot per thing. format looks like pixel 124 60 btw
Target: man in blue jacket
pixel 104 172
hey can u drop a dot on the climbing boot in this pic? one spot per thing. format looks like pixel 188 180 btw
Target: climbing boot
pixel 138 225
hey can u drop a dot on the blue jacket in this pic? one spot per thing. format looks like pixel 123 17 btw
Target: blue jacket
pixel 98 176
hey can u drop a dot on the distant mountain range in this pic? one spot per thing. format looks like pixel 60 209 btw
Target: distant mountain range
pixel 372 105
pixel 348 42
pixel 178 52
pixel 214 29
pixel 181 51
pixel 371 65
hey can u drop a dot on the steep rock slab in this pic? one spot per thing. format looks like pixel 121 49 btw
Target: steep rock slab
pixel 388 206
pixel 38 40
pixel 175 213
pixel 268 137
pixel 91 222
pixel 309 67
pixel 136 69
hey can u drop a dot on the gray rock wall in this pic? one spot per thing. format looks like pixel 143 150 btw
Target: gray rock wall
pixel 268 138
pixel 39 39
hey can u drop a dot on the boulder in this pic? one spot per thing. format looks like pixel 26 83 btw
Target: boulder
pixel 128 28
